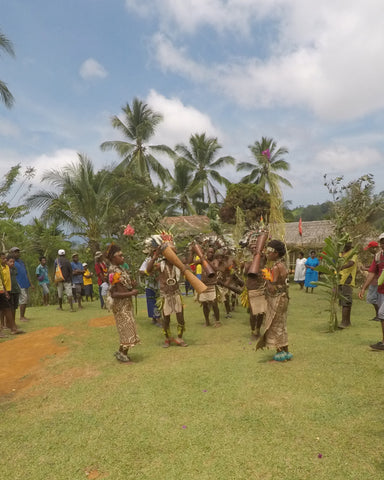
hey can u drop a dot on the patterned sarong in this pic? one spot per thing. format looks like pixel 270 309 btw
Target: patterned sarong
pixel 275 326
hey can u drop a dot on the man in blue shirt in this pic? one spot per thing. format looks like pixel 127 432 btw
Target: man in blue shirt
pixel 42 277
pixel 77 277
pixel 23 281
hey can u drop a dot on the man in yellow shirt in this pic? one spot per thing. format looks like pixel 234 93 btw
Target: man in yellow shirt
pixel 87 281
pixel 347 282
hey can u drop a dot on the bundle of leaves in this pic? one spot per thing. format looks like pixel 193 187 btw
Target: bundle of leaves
pixel 330 267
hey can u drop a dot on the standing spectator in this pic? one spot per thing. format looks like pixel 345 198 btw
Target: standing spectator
pixel 77 278
pixel 101 272
pixel 15 289
pixel 66 285
pixel 42 277
pixel 6 280
pixel 311 275
pixel 347 282
pixel 300 269
pixel 5 288
pixel 377 268
pixel 88 285
pixel 23 281
pixel 372 297
pixel 151 292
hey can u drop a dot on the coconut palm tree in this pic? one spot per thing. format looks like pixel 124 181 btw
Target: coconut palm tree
pixel 267 162
pixel 5 95
pixel 200 158
pixel 138 126
pixel 183 193
pixel 82 200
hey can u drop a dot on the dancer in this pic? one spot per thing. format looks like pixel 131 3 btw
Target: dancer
pixel 255 284
pixel 275 326
pixel 120 302
pixel 208 299
pixel 170 295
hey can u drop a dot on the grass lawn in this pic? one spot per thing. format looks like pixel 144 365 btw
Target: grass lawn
pixel 215 410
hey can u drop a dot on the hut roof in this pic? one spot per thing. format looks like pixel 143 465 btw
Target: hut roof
pixel 314 233
pixel 192 224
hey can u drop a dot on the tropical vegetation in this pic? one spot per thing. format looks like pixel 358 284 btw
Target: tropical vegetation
pixel 5 94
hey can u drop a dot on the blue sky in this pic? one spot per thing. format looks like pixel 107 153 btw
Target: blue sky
pixel 309 74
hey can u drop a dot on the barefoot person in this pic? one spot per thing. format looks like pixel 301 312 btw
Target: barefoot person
pixel 275 326
pixel 208 299
pixel 120 296
pixel 256 291
pixel 23 281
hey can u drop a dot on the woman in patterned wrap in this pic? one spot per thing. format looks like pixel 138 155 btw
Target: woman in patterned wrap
pixel 275 325
pixel 120 296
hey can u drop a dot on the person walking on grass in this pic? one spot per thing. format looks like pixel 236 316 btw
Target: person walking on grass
pixel 377 268
pixel 43 279
pixel 23 281
pixel 119 301
pixel 64 286
pixel 275 324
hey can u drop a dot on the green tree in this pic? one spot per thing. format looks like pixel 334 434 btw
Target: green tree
pixel 201 159
pixel 253 200
pixel 183 192
pixel 264 171
pixel 5 95
pixel 138 126
pixel 83 200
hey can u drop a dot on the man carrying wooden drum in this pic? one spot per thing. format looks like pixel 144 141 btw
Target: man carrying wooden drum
pixel 170 295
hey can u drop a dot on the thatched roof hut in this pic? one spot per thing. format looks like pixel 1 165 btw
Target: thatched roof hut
pixel 314 234
pixel 188 225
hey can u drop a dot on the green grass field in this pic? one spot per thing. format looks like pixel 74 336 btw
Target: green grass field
pixel 215 410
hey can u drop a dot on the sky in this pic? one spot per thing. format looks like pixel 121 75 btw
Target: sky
pixel 308 74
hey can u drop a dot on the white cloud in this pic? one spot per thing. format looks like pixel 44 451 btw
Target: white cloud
pixel 324 57
pixel 8 129
pixel 342 160
pixel 180 121
pixel 90 68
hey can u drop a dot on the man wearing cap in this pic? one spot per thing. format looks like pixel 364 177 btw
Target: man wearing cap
pixel 372 247
pixel 23 281
pixel 377 268
pixel 77 278
pixel 66 285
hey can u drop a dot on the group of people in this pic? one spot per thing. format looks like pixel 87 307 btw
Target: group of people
pixel 305 271
pixel 267 291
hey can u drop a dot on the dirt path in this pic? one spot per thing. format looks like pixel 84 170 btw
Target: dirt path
pixel 23 358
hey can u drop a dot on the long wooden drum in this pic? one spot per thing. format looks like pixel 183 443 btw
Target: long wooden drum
pixel 170 255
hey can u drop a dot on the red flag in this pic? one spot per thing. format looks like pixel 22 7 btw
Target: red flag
pixel 300 228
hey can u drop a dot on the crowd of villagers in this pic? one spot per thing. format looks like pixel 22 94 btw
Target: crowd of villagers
pixel 214 273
